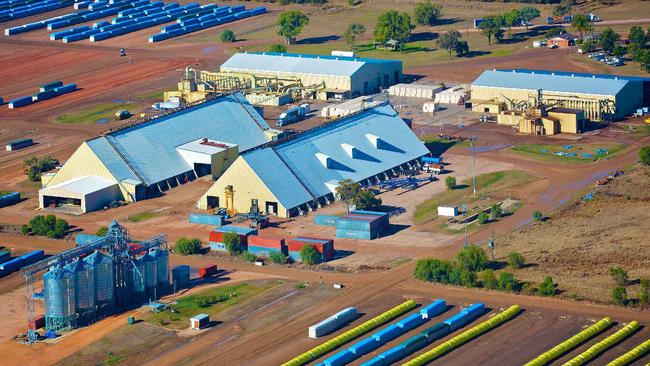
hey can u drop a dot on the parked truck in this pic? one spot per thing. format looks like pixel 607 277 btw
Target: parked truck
pixel 293 114
pixel 560 19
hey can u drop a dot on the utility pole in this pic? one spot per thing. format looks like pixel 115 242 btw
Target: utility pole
pixel 465 221
pixel 473 143
pixel 491 244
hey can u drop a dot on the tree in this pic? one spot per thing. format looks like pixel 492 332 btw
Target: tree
pixel 637 36
pixel 278 258
pixel 644 155
pixel 427 13
pixel 483 218
pixel 644 292
pixel 619 296
pixel 495 211
pixel 538 216
pixel 528 13
pixel 488 280
pixel 509 19
pixel 581 24
pixel 564 7
pixel 48 226
pixel 232 241
pixel 248 257
pixel 25 229
pixel 366 200
pixel 553 32
pixel 185 246
pixel 472 258
pixel 102 231
pixel 347 190
pixel 619 51
pixel 547 287
pixel 393 25
pixel 309 255
pixel 449 41
pixel 450 182
pixel 462 48
pixel 353 32
pixel 619 275
pixel 279 48
pixel 290 24
pixel 507 282
pixel 467 278
pixel 608 39
pixel 516 260
pixel 490 27
pixel 587 46
pixel 36 166
pixel 644 61
pixel 433 270
pixel 228 36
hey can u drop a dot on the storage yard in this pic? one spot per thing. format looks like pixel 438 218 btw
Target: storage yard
pixel 307 184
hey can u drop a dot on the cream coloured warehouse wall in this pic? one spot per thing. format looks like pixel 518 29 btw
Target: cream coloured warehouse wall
pixel 331 82
pixel 84 162
pixel 247 186
pixel 371 72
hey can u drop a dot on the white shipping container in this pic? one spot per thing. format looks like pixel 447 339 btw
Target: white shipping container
pixel 430 107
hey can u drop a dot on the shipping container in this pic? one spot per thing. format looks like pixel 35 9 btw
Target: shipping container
pixel 322 246
pixel 69 88
pixel 208 271
pixel 19 144
pixel 40 96
pixel 325 220
pixel 199 321
pixel 384 217
pixel 56 84
pixel 267 241
pixel 206 219
pixel 355 234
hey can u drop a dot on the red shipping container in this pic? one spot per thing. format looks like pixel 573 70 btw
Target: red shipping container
pixel 217 236
pixel 322 246
pixel 275 242
pixel 37 323
pixel 207 271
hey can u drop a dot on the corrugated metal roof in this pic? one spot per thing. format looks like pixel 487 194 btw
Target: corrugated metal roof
pixel 295 174
pixel 150 148
pixel 580 74
pixel 80 186
pixel 298 63
pixel 558 82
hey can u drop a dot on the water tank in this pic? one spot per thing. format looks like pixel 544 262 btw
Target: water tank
pixel 58 285
pixel 84 283
pixel 103 268
pixel 162 268
pixel 150 278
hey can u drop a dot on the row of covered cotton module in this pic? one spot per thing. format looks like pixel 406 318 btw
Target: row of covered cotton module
pixel 47 91
pixel 33 8
pixel 334 322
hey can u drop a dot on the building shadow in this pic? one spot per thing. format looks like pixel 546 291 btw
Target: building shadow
pixel 318 40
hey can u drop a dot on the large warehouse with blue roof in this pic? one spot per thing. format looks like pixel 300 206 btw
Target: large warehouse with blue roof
pixel 601 97
pixel 339 76
pixel 288 177
pixel 145 159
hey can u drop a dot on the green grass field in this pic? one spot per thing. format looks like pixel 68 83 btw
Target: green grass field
pixel 486 184
pixel 546 152
pixel 211 302
pixel 143 216
pixel 92 114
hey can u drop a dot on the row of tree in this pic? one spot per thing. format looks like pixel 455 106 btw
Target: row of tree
pixel 470 268
pixel 622 280
pixel 495 26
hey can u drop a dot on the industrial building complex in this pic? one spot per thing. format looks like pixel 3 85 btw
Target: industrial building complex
pixel 338 76
pixel 145 159
pixel 600 97
pixel 299 174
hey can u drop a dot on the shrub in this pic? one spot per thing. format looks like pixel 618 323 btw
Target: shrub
pixel 547 287
pixel 248 257
pixel 25 230
pixel 450 182
pixel 619 296
pixel 366 200
pixel 472 258
pixel 227 36
pixel 280 48
pixel 537 216
pixel 185 246
pixel 102 231
pixel 619 275
pixel 644 292
pixel 507 282
pixel 36 166
pixel 48 226
pixel 483 218
pixel 278 258
pixel 309 255
pixel 467 278
pixel 488 279
pixel 232 242
pixel 433 270
pixel 515 260
pixel 427 13
pixel 495 211
pixel 644 155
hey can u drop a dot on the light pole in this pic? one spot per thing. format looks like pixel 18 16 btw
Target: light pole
pixel 473 144
pixel 465 221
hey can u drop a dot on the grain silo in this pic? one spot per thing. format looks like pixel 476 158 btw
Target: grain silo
pixel 59 293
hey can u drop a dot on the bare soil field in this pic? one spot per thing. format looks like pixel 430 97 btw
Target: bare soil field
pixel 594 235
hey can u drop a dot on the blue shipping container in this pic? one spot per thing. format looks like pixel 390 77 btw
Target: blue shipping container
pixel 206 219
pixel 262 250
pixel 355 234
pixel 325 220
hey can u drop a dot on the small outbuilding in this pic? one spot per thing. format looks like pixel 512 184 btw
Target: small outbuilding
pixel 199 321
pixel 87 193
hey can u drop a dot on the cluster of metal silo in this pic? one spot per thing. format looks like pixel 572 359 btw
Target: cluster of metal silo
pixel 59 293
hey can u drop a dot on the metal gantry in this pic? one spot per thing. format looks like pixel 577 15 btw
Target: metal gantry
pixel 117 244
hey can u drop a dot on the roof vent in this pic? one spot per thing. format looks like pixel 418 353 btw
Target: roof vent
pixel 350 150
pixel 553 74
pixel 573 75
pixel 615 77
pixel 593 76
pixel 325 160
pixel 374 140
